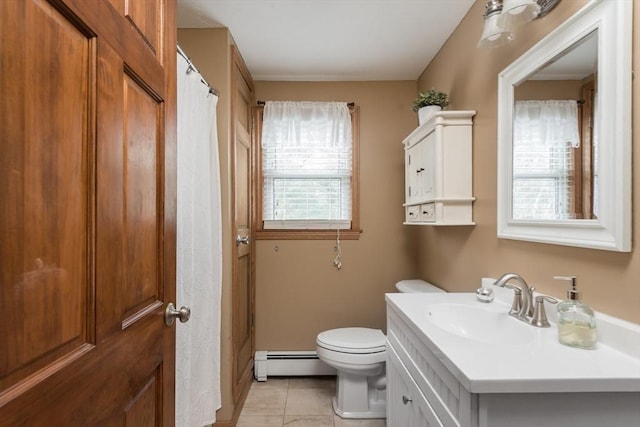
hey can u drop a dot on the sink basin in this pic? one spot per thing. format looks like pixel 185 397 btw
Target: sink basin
pixel 487 323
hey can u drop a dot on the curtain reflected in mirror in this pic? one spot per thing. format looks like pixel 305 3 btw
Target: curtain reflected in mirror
pixel 555 169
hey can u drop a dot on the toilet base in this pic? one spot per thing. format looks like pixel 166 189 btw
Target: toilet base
pixel 378 410
pixel 359 396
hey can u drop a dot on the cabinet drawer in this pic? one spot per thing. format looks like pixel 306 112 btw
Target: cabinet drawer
pixel 428 212
pixel 413 213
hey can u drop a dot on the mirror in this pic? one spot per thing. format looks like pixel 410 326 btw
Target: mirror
pixel 553 173
pixel 564 134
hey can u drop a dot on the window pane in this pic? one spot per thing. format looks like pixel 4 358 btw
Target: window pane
pixel 540 199
pixel 545 140
pixel 307 199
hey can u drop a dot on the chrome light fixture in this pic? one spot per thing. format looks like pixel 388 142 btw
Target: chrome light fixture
pixel 502 16
pixel 493 35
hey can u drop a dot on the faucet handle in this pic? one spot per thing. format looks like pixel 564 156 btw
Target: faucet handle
pixel 539 318
pixel 516 305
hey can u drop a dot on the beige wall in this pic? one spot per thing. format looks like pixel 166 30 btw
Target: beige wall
pixel 298 291
pixel 456 258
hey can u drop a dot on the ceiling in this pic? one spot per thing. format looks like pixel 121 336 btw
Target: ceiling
pixel 329 40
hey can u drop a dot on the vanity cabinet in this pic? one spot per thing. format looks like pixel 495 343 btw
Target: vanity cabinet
pixel 439 170
pixel 410 407
pixel 420 389
pixel 425 387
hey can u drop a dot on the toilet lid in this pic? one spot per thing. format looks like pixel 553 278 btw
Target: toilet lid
pixel 417 285
pixel 353 340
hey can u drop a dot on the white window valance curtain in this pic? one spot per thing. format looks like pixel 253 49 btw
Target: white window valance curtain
pixel 548 122
pixel 306 164
pixel 546 134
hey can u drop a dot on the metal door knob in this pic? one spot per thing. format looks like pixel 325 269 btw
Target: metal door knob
pixel 171 314
pixel 406 400
pixel 244 240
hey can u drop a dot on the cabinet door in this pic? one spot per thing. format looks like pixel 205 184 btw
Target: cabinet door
pixel 406 405
pixel 412 174
pixel 398 412
pixel 428 174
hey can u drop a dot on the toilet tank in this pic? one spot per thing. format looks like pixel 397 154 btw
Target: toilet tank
pixel 417 285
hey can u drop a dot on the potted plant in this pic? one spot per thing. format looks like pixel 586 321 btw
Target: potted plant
pixel 429 102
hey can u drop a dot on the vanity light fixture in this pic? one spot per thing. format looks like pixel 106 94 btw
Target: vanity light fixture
pixel 502 16
pixel 493 35
pixel 517 12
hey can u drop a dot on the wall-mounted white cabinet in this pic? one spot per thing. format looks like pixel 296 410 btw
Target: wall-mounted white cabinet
pixel 439 170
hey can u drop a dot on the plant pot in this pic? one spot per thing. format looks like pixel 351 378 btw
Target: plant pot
pixel 425 113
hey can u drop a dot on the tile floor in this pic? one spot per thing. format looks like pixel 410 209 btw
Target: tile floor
pixel 295 402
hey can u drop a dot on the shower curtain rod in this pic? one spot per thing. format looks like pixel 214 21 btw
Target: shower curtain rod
pixel 191 67
pixel 349 104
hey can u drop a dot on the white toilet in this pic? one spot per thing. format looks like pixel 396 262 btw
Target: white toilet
pixel 359 356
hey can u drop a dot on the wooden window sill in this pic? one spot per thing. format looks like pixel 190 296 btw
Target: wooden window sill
pixel 306 234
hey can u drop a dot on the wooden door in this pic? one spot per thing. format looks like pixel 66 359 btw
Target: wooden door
pixel 87 218
pixel 243 289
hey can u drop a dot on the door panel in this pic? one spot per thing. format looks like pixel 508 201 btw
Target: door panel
pixel 145 17
pixel 87 180
pixel 141 412
pixel 110 183
pixel 43 253
pixel 141 289
pixel 243 293
pixel 242 290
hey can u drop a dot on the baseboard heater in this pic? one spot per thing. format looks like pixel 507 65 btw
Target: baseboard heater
pixel 289 364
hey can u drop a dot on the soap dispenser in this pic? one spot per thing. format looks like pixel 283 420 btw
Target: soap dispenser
pixel 576 320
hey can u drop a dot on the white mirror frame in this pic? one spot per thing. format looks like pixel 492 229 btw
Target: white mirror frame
pixel 612 230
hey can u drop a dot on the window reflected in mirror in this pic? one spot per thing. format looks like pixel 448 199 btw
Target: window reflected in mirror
pixel 555 169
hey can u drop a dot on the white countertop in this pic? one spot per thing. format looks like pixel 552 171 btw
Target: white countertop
pixel 541 365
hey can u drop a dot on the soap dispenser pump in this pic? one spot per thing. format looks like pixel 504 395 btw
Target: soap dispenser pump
pixel 576 320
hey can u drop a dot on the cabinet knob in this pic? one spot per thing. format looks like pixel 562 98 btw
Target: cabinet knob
pixel 406 400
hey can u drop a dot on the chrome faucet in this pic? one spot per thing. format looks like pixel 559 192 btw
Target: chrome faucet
pixel 522 297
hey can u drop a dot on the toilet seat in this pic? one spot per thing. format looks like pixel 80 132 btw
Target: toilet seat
pixel 353 340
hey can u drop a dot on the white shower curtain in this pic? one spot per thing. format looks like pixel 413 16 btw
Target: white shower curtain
pixel 199 253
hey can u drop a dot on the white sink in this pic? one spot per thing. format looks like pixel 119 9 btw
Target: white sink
pixel 487 323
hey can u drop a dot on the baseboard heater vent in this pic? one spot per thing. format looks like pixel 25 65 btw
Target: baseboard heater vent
pixel 289 364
